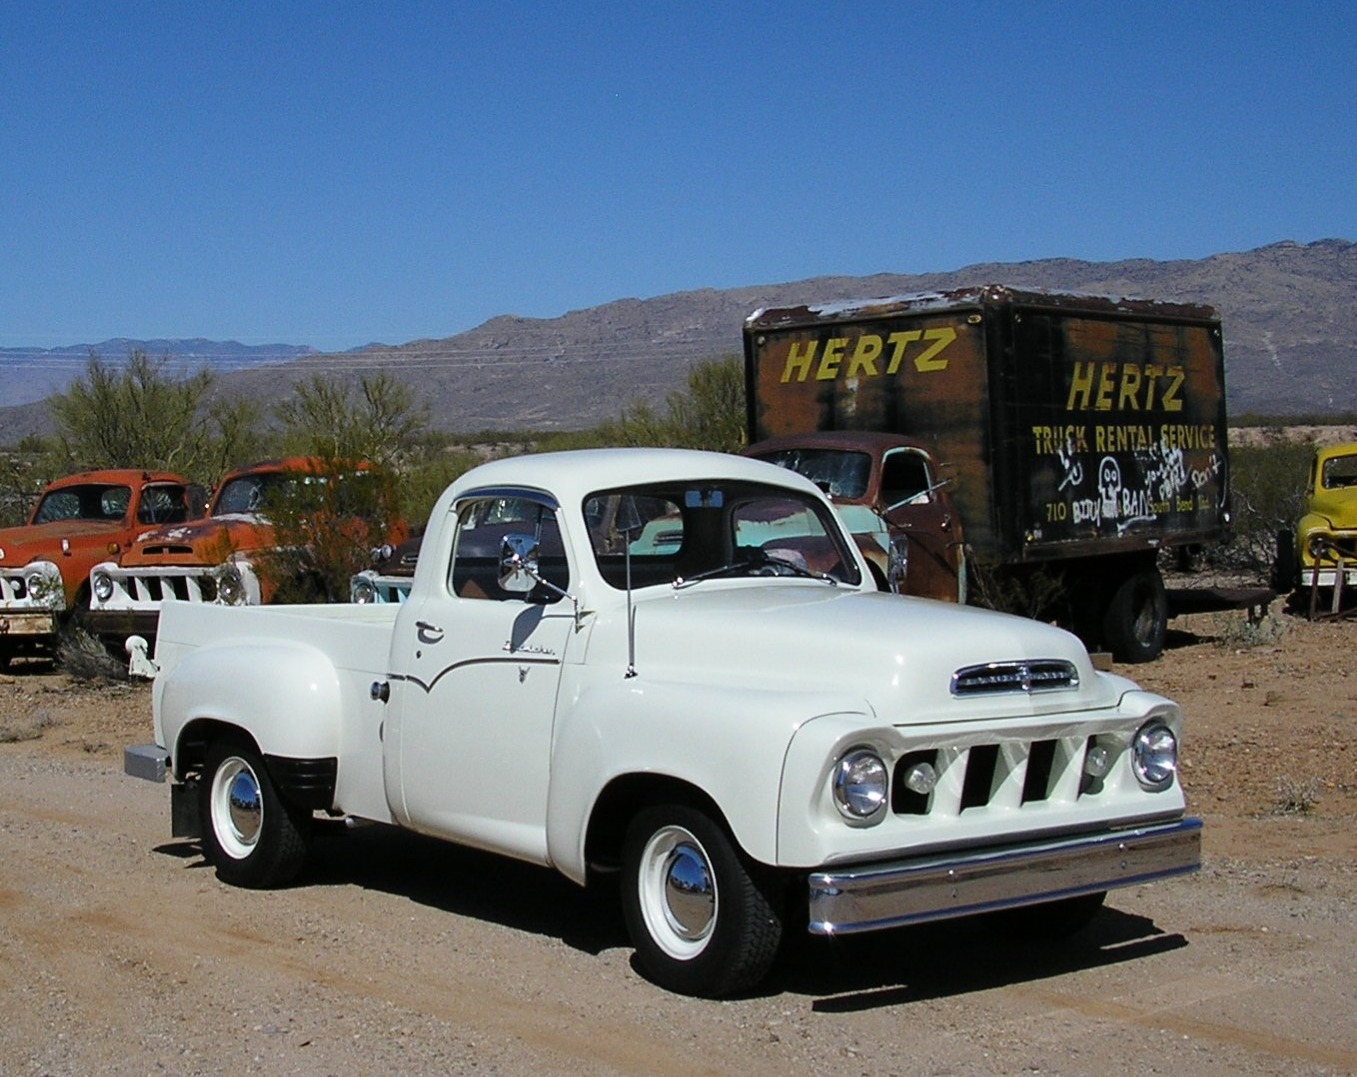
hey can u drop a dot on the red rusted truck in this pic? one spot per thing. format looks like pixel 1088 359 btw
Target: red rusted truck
pixel 81 519
pixel 1078 435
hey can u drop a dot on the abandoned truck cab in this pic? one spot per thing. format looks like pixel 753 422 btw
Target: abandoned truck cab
pixel 675 669
pixel 890 495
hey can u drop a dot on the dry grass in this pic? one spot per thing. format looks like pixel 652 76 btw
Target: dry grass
pixel 26 727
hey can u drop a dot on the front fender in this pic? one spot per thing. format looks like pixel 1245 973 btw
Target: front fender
pixel 728 742
pixel 285 694
pixel 1310 525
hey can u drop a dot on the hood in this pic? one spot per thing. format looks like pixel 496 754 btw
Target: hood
pixel 897 653
pixel 20 545
pixel 200 542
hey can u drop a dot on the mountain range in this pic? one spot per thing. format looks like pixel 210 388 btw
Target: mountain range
pixel 1289 312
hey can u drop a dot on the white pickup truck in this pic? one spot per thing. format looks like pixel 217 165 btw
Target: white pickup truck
pixel 675 666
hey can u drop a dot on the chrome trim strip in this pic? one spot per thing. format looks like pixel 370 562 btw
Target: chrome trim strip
pixel 877 896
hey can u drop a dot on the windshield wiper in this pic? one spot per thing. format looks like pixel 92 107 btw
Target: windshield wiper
pixel 757 563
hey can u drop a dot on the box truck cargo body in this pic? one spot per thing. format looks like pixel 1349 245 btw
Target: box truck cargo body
pixel 1082 433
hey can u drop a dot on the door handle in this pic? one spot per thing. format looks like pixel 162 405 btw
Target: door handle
pixel 428 633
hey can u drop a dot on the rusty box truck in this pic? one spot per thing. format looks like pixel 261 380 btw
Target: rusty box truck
pixel 1080 435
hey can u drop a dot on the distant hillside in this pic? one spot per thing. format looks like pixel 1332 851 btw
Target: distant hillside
pixel 29 374
pixel 1289 310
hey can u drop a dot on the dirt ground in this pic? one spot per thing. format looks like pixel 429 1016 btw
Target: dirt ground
pixel 121 953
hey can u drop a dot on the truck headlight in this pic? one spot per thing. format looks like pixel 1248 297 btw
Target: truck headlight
pixel 861 782
pixel 1154 755
pixel 102 586
pixel 230 587
pixel 362 590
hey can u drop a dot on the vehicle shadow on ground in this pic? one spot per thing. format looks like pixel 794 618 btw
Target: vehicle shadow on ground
pixel 466 882
pixel 846 974
pixel 954 957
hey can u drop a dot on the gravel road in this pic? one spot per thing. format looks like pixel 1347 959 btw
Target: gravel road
pixel 121 953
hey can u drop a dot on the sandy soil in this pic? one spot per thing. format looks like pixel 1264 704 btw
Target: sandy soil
pixel 121 953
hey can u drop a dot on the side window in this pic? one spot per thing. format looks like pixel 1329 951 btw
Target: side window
pixel 163 504
pixel 1340 472
pixel 482 524
pixel 903 475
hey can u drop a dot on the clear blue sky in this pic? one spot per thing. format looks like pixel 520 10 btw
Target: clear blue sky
pixel 339 173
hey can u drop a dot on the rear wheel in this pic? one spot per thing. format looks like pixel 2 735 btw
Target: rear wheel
pixel 1136 620
pixel 251 834
pixel 700 920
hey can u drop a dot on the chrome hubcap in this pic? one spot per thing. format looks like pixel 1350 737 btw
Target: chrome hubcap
pixel 689 896
pixel 246 811
pixel 237 808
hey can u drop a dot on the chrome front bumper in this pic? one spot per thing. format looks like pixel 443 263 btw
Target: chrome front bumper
pixel 875 896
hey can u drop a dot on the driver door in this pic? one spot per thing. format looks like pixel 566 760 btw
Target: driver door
pixel 475 705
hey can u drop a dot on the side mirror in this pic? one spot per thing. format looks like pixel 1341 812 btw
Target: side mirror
pixel 518 572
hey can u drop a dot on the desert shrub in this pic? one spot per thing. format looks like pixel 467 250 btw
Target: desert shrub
pixel 708 414
pixel 1239 633
pixel 421 483
pixel 84 658
pixel 1038 592
pixel 1295 796
pixel 1267 489
pixel 376 420
pixel 139 416
pixel 326 521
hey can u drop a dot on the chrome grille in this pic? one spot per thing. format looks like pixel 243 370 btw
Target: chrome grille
pixel 1005 776
pixel 1030 675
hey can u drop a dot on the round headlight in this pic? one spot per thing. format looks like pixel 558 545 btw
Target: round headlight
pixel 102 585
pixel 861 782
pixel 362 591
pixel 230 587
pixel 1155 755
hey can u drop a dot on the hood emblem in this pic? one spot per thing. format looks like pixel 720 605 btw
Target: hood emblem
pixel 1026 676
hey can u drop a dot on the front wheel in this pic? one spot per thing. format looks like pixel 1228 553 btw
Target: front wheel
pixel 252 836
pixel 700 920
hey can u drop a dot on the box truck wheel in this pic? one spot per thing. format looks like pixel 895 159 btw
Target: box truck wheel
pixel 1136 618
pixel 1286 565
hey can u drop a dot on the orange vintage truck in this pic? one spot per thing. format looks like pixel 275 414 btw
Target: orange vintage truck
pixel 80 520
pixel 230 558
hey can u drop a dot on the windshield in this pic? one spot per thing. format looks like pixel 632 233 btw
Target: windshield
pixel 838 473
pixel 355 494
pixel 670 532
pixel 92 501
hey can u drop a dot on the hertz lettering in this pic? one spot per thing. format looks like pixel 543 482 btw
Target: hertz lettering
pixel 1098 386
pixel 868 356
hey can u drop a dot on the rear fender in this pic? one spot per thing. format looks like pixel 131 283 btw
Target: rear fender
pixel 283 694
